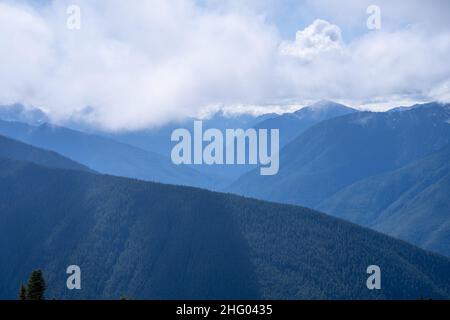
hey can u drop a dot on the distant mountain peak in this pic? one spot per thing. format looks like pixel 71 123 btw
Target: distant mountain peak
pixel 323 107
pixel 18 112
pixel 326 104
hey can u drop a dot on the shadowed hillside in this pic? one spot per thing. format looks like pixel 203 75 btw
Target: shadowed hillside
pixel 147 240
pixel 411 203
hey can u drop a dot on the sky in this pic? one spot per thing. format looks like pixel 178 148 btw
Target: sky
pixel 138 64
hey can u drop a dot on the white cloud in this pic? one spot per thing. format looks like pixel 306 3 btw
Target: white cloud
pixel 135 64
pixel 318 38
pixel 138 64
pixel 407 64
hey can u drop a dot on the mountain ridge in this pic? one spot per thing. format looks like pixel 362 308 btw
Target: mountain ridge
pixel 104 154
pixel 409 203
pixel 291 125
pixel 340 151
pixel 16 150
pixel 152 241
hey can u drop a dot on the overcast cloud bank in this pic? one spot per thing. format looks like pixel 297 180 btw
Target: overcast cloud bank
pixel 139 64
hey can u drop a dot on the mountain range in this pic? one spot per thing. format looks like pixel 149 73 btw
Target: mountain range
pixel 328 160
pixel 291 125
pixel 12 149
pixel 158 140
pixel 104 154
pixel 128 153
pixel 411 203
pixel 62 203
pixel 146 240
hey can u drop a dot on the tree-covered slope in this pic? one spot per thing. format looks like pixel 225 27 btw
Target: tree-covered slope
pixel 411 203
pixel 146 240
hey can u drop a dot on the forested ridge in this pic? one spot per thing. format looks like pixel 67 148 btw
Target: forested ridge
pixel 148 240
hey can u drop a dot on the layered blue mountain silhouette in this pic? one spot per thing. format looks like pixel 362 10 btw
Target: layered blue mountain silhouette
pixel 105 155
pixel 146 240
pixel 158 140
pixel 105 152
pixel 411 203
pixel 326 161
pixel 12 149
pixel 291 125
pixel 389 171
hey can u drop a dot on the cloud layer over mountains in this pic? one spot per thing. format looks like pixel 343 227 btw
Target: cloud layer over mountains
pixel 138 64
